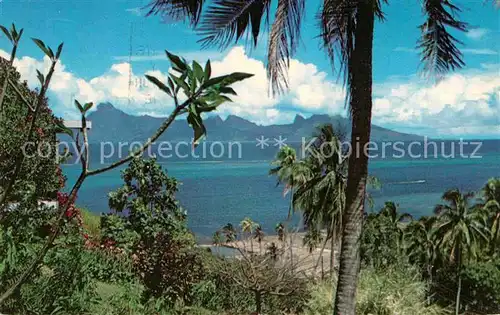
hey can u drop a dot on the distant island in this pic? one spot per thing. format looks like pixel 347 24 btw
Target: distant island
pixel 112 124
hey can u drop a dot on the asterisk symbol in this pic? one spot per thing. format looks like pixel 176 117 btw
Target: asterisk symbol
pixel 262 142
pixel 280 142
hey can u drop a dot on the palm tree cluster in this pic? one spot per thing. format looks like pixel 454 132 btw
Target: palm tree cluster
pixel 461 232
pixel 317 185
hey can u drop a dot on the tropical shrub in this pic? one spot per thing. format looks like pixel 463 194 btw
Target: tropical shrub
pixel 40 176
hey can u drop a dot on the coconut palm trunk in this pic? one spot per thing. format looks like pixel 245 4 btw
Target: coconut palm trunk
pixel 361 110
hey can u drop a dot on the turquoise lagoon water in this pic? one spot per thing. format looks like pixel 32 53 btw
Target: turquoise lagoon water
pixel 218 192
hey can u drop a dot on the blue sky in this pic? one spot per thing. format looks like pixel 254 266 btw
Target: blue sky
pixel 100 37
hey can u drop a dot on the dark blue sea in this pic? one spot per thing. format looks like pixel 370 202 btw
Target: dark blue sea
pixel 215 192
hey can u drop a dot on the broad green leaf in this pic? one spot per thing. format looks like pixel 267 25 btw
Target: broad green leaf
pixel 182 78
pixel 195 121
pixel 79 106
pixel 40 77
pixel 236 77
pixel 61 128
pixel 192 81
pixel 227 90
pixel 19 36
pixel 227 80
pixel 180 83
pixel 208 70
pixel 198 72
pixel 42 46
pixel 13 31
pixel 171 84
pixel 159 84
pixel 59 50
pixel 6 32
pixel 87 106
pixel 177 63
pixel 51 52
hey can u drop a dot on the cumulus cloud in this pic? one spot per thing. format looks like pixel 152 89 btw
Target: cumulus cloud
pixel 465 103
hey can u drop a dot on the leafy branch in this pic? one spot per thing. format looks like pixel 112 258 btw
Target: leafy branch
pixel 14 37
pixel 204 94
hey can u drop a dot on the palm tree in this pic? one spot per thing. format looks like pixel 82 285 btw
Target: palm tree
pixel 280 231
pixel 346 29
pixel 247 226
pixel 259 236
pixel 217 240
pixel 390 211
pixel 421 243
pixel 229 232
pixel 322 197
pixel 292 173
pixel 491 204
pixel 460 230
pixel 312 239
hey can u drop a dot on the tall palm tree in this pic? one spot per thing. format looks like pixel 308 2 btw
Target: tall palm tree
pixel 322 197
pixel 247 227
pixel 292 173
pixel 460 230
pixel 346 29
pixel 259 236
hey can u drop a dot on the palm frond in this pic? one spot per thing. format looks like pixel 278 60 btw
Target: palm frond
pixel 177 9
pixel 228 20
pixel 337 24
pixel 439 48
pixel 283 41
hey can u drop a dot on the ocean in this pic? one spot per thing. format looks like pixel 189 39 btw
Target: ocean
pixel 218 192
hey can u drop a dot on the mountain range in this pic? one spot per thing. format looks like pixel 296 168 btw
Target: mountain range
pixel 114 125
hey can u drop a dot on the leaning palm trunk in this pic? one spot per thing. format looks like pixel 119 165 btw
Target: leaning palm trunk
pixel 360 67
pixel 321 254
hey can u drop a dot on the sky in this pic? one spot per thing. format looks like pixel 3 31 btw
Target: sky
pixel 109 43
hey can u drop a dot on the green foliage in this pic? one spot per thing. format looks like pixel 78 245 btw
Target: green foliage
pixel 40 176
pixel 169 266
pixel 480 286
pixel 65 285
pixel 111 267
pixel 380 244
pixel 148 198
pixel 397 290
pixel 91 223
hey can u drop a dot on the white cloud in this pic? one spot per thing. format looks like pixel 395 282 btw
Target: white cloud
pixel 460 104
pixel 482 51
pixel 477 33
